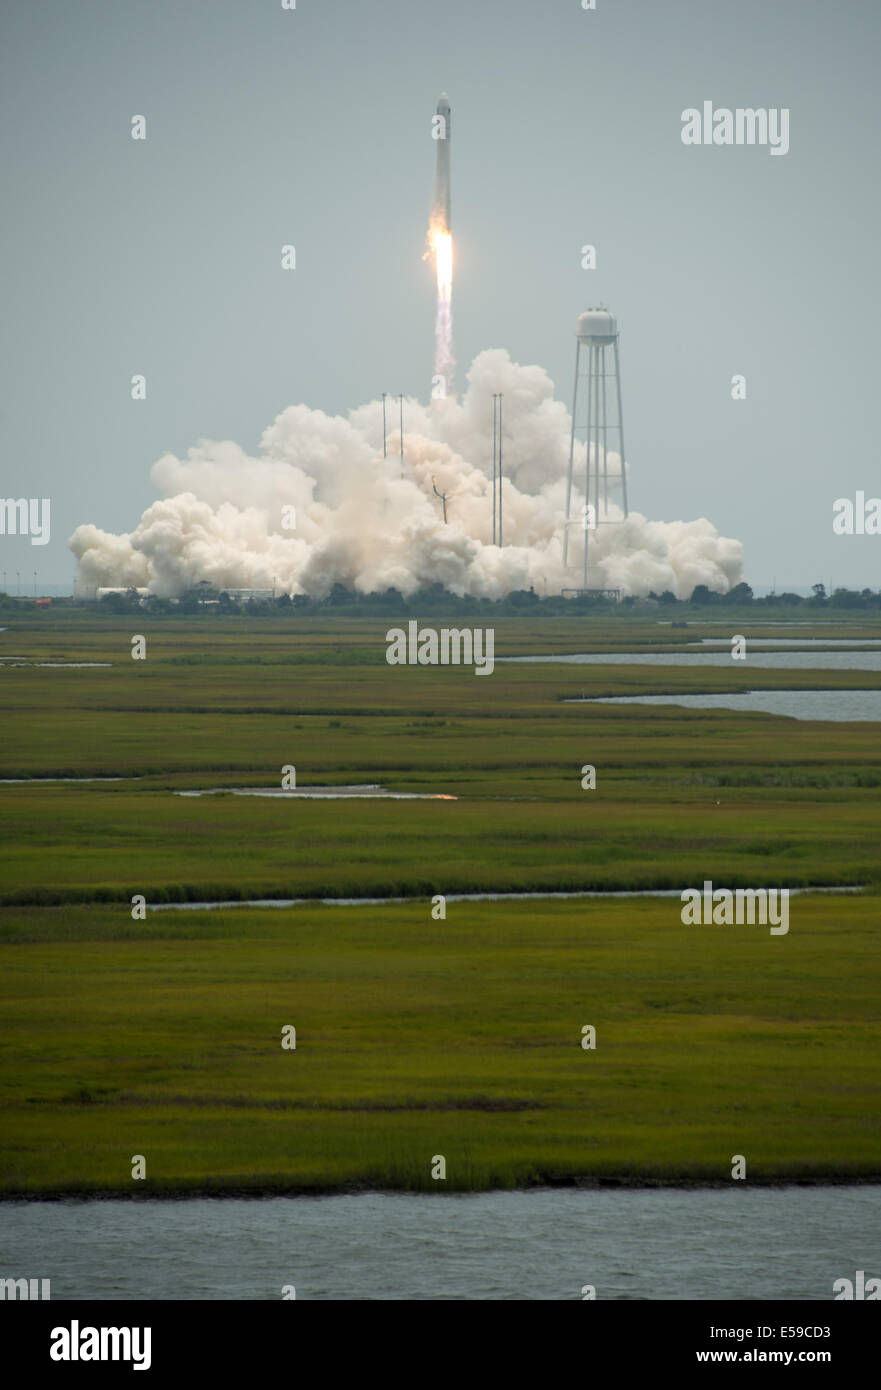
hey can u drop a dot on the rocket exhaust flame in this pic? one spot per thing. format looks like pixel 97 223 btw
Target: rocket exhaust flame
pixel 441 242
pixel 440 249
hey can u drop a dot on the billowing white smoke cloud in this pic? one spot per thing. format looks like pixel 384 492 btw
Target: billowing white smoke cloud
pixel 359 523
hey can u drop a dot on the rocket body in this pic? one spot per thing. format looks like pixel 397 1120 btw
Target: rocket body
pixel 442 174
pixel 440 248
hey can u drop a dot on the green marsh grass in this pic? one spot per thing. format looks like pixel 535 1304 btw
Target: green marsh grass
pixel 416 1036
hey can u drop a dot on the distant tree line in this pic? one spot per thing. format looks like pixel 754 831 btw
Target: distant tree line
pixel 204 598
pixel 818 598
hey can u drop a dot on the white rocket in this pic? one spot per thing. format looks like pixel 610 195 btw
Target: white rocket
pixel 442 175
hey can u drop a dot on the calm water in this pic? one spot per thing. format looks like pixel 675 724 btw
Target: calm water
pixel 77 665
pixel 786 660
pixel 791 642
pixel 325 793
pixel 731 1243
pixel 458 898
pixel 837 705
pixel 758 622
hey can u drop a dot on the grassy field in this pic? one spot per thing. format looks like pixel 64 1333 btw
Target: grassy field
pixel 418 1037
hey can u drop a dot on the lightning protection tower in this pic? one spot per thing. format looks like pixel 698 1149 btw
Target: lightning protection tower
pixel 597 423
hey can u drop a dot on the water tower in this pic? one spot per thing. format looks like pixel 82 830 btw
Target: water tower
pixel 598 423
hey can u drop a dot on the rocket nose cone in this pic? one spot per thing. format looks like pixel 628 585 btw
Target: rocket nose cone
pixel 443 101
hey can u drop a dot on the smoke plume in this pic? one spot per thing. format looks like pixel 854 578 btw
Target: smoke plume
pixel 224 516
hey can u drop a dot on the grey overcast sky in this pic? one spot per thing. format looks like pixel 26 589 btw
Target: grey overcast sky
pixel 312 127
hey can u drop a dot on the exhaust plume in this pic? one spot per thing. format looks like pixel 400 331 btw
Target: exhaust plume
pixel 224 516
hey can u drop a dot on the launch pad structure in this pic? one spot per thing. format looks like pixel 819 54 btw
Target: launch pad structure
pixel 497 468
pixel 614 594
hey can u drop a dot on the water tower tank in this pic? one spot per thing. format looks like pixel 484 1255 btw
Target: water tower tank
pixel 598 326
